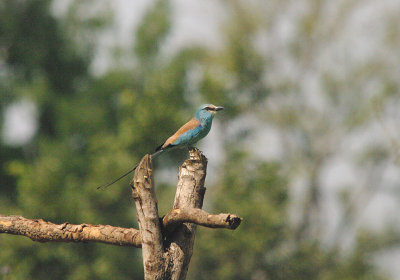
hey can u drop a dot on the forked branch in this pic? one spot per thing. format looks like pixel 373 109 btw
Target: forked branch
pixel 166 251
pixel 42 231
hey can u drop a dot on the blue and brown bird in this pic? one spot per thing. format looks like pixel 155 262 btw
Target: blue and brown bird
pixel 191 132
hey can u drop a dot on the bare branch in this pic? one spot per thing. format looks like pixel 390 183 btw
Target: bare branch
pixel 42 231
pixel 189 194
pixel 199 217
pixel 149 224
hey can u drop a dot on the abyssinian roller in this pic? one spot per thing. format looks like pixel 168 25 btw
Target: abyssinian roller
pixel 186 136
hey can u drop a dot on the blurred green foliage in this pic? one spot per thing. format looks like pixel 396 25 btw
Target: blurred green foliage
pixel 265 245
pixel 91 129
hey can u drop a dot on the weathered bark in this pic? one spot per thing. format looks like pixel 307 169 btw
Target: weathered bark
pixel 149 224
pixel 199 217
pixel 189 194
pixel 42 231
pixel 39 230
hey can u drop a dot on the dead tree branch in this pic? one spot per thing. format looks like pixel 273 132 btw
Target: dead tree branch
pixel 149 224
pixel 167 245
pixel 199 217
pixel 189 194
pixel 42 231
pixel 39 230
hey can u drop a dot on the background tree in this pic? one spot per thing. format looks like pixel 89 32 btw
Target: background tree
pixel 303 100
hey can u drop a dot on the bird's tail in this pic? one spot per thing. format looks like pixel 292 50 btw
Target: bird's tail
pixel 127 173
pixel 116 180
pixel 156 153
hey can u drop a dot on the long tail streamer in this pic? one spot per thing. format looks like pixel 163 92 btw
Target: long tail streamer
pixel 127 173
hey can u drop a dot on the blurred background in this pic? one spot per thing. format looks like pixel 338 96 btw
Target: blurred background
pixel 306 150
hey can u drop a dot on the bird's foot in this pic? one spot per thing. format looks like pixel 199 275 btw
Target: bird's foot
pixel 192 149
pixel 194 153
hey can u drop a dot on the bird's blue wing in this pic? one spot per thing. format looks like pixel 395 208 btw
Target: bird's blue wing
pixel 189 137
pixel 185 133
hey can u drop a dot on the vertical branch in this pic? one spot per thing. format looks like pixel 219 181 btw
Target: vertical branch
pixel 149 225
pixel 189 194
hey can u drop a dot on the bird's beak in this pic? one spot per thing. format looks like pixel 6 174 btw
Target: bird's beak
pixel 219 108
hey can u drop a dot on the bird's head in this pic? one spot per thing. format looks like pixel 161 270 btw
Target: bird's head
pixel 207 111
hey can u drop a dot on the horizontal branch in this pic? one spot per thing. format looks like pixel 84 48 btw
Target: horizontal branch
pixel 39 230
pixel 199 217
pixel 42 231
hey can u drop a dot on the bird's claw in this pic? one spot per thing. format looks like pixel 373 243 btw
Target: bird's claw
pixel 194 153
pixel 192 149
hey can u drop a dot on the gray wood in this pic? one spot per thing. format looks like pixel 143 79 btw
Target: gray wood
pixel 149 224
